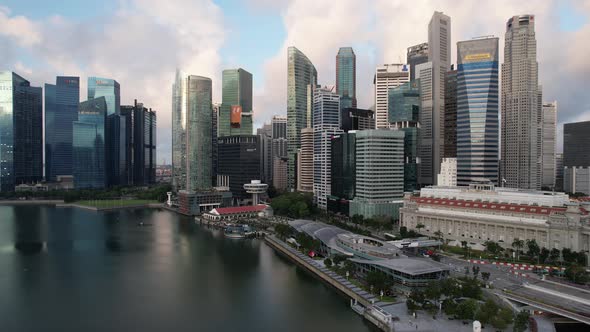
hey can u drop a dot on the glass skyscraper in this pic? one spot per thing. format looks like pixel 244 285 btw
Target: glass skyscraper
pixel 115 127
pixel 191 132
pixel 89 152
pixel 404 114
pixel 300 74
pixel 477 110
pixel 21 131
pixel 236 91
pixel 346 77
pixel 61 110
pixel 140 135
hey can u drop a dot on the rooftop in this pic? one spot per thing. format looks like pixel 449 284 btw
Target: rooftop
pixel 238 209
pixel 412 266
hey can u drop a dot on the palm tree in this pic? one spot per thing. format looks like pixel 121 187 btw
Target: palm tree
pixel 419 227
pixel 518 244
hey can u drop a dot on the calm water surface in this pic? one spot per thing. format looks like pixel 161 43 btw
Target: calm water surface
pixel 65 269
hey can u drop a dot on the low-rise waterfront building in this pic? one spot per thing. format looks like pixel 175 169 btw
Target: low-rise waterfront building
pixel 196 203
pixel 238 212
pixel 482 212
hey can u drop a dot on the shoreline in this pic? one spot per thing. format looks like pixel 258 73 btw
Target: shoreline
pixel 62 204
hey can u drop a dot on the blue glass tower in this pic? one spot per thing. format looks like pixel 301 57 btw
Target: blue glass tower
pixel 61 110
pixel 477 110
pixel 21 131
pixel 89 166
pixel 115 128
pixel 346 77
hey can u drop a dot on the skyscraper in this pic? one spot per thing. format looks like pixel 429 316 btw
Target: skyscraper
pixel 235 114
pixel 416 55
pixel 346 77
pixel 214 124
pixel 266 153
pixel 115 127
pixel 21 131
pixel 404 112
pixel 140 136
pixel 356 119
pixel 576 140
pixel 61 110
pixel 279 149
pixel 326 124
pixel 191 132
pixel 548 144
pixel 89 152
pixel 305 162
pixel 387 77
pixel 239 161
pixel 477 110
pixel 432 77
pixel 300 74
pixel 521 106
pixel 450 127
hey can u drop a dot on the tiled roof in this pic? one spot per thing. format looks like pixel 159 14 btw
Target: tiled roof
pixel 240 209
pixel 514 208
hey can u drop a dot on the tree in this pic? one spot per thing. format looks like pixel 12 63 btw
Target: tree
pixel 533 248
pixel 485 276
pixel 403 232
pixel 467 309
pixel 521 321
pixel 464 244
pixel 379 280
pixel 493 247
pixel 338 259
pixel 487 312
pixel 419 227
pixel 543 255
pixel 328 262
pixel 475 270
pixel 576 274
pixel 439 235
pixel 433 291
pixel 283 230
pixel 358 219
pixel 554 255
pixel 502 319
pixel 517 244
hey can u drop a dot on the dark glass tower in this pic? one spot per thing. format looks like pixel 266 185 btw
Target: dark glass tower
pixel 140 132
pixel 450 131
pixel 239 159
pixel 576 143
pixel 346 77
pixel 89 144
pixel 404 114
pixel 61 110
pixel 356 119
pixel 21 131
pixel 477 110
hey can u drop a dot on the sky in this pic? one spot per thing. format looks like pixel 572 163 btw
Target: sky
pixel 140 43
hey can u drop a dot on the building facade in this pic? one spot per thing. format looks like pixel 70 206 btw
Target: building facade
pixel 214 123
pixel 266 152
pixel 416 55
pixel 387 77
pixel 404 113
pixel 576 140
pixel 61 110
pixel 477 110
pixel 559 171
pixel 326 125
pixel 379 173
pixel 576 180
pixel 300 74
pixel 356 119
pixel 239 161
pixel 235 113
pixel 450 128
pixel 140 136
pixel 521 106
pixel 343 181
pixel 191 132
pixel 89 145
pixel 21 131
pixel 346 77
pixel 279 174
pixel 483 212
pixel 448 173
pixel 305 160
pixel 548 142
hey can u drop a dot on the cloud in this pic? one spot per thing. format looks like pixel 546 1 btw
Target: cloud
pixel 140 46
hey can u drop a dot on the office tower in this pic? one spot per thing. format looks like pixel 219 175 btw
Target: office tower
pixel 89 150
pixel 115 126
pixel 521 106
pixel 140 136
pixel 235 114
pixel 300 74
pixel 239 161
pixel 416 55
pixel 576 180
pixel 279 174
pixel 549 119
pixel 343 156
pixel 266 153
pixel 448 173
pixel 279 126
pixel 404 113
pixel 61 110
pixel 576 140
pixel 305 162
pixel 346 77
pixel 214 124
pixel 356 119
pixel 477 110
pixel 559 171
pixel 191 132
pixel 379 173
pixel 387 77
pixel 326 124
pixel 450 128
pixel 21 131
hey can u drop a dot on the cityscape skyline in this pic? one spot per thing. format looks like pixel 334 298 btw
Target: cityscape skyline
pixel 566 20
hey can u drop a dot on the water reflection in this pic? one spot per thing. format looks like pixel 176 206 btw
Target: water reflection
pixel 27 232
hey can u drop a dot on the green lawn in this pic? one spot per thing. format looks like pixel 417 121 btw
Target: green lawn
pixel 115 202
